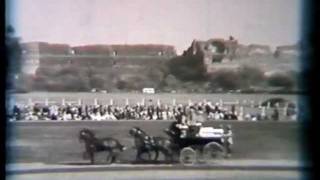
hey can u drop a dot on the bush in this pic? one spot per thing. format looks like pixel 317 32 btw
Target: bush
pixel 187 68
pixel 281 80
pixel 251 76
pixel 97 82
pixel 243 78
pixel 69 70
pixel 226 79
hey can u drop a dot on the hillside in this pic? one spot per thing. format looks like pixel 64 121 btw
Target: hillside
pixel 60 67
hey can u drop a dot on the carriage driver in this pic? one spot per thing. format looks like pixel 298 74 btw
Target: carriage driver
pixel 181 123
pixel 195 121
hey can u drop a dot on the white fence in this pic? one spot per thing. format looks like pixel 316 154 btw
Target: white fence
pixel 246 103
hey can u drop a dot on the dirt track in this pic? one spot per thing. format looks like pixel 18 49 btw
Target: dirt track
pixel 54 142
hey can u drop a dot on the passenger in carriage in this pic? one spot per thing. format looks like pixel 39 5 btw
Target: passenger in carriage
pixel 181 121
pixel 196 119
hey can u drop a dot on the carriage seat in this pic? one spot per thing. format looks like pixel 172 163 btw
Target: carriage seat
pixel 209 132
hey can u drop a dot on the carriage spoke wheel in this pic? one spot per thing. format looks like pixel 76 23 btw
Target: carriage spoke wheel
pixel 212 151
pixel 188 156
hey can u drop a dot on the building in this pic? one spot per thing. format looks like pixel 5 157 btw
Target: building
pixel 213 50
pixel 42 54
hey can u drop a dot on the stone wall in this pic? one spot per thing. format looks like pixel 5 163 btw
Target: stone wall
pixel 219 53
pixel 41 54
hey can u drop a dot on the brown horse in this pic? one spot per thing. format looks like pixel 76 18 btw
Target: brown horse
pixel 149 147
pixel 93 145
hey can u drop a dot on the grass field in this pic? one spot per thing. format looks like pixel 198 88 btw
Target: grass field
pixel 54 142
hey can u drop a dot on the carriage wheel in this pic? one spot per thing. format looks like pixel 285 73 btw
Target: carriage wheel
pixel 213 150
pixel 188 156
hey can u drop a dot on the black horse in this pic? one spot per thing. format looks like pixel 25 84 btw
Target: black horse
pixel 148 147
pixel 93 145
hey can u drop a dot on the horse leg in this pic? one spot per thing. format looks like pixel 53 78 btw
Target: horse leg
pixel 167 155
pixel 114 158
pixel 110 157
pixel 91 157
pixel 138 157
pixel 157 155
pixel 170 157
pixel 85 155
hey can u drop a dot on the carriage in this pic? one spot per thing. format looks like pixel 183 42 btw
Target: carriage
pixel 191 143
pixel 195 143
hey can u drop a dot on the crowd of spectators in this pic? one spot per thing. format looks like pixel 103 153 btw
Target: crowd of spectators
pixel 150 111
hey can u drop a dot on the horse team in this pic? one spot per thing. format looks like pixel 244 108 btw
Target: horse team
pixel 149 148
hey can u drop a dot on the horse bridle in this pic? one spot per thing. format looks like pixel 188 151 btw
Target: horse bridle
pixel 85 134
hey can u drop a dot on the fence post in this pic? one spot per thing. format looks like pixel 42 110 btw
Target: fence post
pixel 46 102
pixel 263 111
pixel 63 102
pixel 174 102
pixel 143 101
pixel 30 101
pixel 95 101
pixel 127 101
pixel 241 113
pixel 158 102
pixel 268 105
pixel 285 108
pixel 79 102
pixel 111 102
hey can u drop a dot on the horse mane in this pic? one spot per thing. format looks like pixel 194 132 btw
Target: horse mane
pixel 87 131
pixel 142 130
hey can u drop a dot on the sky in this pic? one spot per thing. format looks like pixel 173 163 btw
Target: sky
pixel 172 22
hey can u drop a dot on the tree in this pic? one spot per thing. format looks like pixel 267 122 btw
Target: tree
pixel 187 68
pixel 281 80
pixel 13 50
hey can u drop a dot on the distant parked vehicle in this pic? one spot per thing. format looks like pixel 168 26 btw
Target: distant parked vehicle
pixel 148 90
pixel 104 91
pixel 93 90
